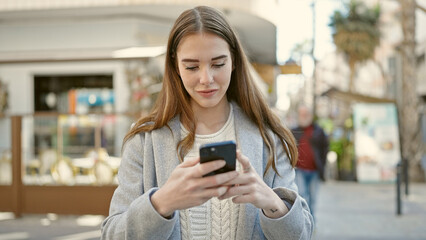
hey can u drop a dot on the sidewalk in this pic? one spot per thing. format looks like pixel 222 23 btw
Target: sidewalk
pixel 345 211
pixel 353 211
pixel 50 227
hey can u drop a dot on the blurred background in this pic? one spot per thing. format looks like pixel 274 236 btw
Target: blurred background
pixel 75 74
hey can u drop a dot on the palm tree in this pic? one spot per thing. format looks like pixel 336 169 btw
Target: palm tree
pixel 356 34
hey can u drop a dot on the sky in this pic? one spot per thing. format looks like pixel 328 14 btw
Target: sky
pixel 295 26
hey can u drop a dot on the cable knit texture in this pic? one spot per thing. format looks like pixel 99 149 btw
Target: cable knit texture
pixel 214 219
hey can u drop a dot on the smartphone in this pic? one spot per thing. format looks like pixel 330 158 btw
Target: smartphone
pixel 219 151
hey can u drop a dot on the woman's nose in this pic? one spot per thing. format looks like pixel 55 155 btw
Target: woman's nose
pixel 206 77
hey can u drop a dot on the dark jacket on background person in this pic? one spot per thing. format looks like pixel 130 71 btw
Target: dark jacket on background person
pixel 319 145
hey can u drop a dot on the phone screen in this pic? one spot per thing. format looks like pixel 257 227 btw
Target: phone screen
pixel 219 151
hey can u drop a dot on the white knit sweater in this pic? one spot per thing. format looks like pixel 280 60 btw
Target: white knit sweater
pixel 214 219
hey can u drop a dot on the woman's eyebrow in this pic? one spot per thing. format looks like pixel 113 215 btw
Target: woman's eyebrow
pixel 219 57
pixel 196 60
pixel 189 60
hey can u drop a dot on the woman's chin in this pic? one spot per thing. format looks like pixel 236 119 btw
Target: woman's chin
pixel 208 103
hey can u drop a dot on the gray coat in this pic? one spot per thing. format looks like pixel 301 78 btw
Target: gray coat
pixel 147 162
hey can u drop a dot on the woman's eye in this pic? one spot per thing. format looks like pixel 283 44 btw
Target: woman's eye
pixel 191 68
pixel 218 65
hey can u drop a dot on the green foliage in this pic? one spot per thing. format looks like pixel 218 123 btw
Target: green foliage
pixel 326 124
pixel 345 153
pixel 336 145
pixel 343 146
pixel 356 32
pixel 300 49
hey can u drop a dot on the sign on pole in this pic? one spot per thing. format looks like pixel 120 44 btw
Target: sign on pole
pixel 377 148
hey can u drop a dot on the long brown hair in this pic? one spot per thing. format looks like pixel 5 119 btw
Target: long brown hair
pixel 173 99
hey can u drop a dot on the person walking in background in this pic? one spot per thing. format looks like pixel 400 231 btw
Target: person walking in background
pixel 208 95
pixel 313 149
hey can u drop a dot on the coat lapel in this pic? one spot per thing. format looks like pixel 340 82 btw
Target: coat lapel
pixel 166 142
pixel 250 143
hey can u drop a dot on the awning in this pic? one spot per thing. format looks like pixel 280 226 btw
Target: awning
pixel 354 97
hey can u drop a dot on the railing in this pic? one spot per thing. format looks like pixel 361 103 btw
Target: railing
pixel 71 172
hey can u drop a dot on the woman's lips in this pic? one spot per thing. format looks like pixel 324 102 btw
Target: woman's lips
pixel 207 93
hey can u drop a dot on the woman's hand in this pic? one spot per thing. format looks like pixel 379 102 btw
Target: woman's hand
pixel 249 187
pixel 186 187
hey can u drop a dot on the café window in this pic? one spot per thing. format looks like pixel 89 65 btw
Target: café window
pixel 81 94
pixel 75 135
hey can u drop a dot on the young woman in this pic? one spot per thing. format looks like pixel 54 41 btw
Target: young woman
pixel 208 96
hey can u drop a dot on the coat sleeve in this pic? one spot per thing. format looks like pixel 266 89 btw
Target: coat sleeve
pixel 131 214
pixel 298 222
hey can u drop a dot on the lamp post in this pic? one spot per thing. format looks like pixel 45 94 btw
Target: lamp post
pixel 314 96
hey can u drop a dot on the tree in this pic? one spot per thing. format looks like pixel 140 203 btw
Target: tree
pixel 356 34
pixel 409 105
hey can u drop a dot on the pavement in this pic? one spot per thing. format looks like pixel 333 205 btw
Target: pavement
pixel 50 227
pixel 353 211
pixel 345 211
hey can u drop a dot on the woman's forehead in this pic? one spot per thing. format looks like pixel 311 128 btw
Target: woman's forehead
pixel 197 44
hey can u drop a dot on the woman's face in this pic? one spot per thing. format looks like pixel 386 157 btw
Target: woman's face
pixel 205 67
